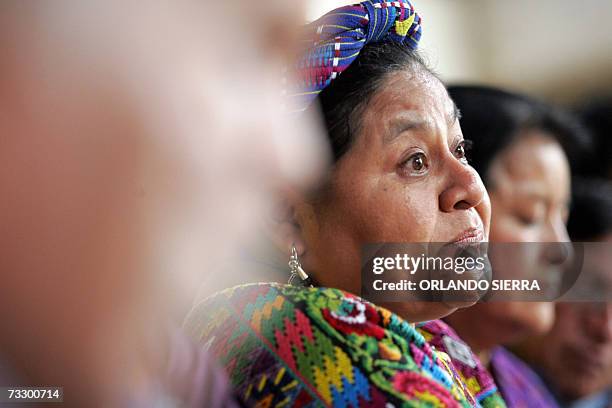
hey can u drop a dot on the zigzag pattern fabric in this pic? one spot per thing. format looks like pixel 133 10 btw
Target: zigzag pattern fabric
pixel 310 347
pixel 332 42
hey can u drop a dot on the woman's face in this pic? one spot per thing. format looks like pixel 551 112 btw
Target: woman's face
pixel 530 193
pixel 405 179
pixel 575 356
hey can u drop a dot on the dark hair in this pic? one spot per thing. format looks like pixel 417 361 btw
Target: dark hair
pixel 597 117
pixel 343 101
pixel 493 118
pixel 591 210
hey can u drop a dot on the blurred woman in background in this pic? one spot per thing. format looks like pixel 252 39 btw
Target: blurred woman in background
pixel 575 356
pixel 521 150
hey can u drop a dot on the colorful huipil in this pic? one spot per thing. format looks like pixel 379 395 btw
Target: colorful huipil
pixel 309 347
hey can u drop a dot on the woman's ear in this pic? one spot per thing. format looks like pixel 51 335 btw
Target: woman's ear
pixel 283 226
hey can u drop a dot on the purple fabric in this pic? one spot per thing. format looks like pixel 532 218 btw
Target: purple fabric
pixel 519 384
pixel 193 376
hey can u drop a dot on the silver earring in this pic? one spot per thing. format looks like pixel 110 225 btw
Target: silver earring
pixel 297 275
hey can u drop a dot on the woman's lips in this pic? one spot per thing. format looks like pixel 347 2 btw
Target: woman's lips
pixel 469 235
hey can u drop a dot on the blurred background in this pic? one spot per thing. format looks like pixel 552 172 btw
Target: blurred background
pixel 560 50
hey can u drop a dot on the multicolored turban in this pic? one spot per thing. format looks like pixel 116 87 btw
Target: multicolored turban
pixel 334 41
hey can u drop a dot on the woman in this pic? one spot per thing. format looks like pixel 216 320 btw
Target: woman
pixel 521 152
pixel 400 175
pixel 575 356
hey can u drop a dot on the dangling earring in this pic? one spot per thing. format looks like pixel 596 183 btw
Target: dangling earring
pixel 295 268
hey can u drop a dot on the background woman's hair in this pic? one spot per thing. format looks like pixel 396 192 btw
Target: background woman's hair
pixel 591 211
pixel 342 103
pixel 493 119
pixel 597 117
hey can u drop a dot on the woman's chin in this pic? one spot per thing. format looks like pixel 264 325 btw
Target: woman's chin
pixel 461 299
pixel 462 304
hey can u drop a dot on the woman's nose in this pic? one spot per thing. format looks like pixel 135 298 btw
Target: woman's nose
pixel 558 247
pixel 557 230
pixel 464 189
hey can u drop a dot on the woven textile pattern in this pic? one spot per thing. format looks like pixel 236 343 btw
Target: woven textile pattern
pixel 332 42
pixel 478 380
pixel 304 347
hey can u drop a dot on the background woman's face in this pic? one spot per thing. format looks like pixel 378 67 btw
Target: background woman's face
pixel 575 356
pixel 405 179
pixel 530 192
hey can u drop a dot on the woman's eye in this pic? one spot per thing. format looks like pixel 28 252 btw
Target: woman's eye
pixel 527 220
pixel 416 163
pixel 530 218
pixel 462 150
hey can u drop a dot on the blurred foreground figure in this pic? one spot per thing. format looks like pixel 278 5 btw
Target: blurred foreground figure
pixel 575 357
pixel 136 144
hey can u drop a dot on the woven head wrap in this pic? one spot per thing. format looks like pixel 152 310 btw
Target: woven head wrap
pixel 334 41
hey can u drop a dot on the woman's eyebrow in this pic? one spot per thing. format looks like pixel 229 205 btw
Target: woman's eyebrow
pixel 403 122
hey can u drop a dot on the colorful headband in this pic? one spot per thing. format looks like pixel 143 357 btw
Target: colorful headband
pixel 336 39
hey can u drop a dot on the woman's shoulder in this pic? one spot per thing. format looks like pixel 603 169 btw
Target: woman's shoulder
pixel 321 346
pixel 338 314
